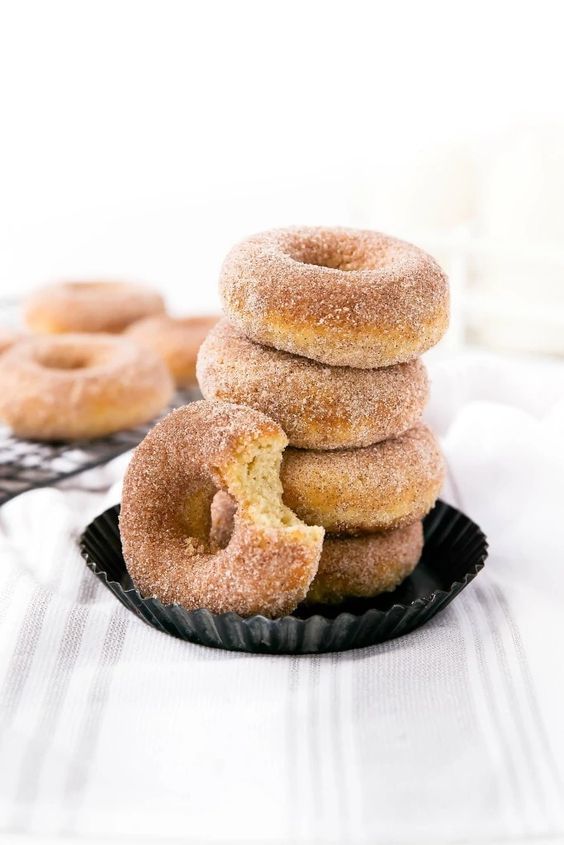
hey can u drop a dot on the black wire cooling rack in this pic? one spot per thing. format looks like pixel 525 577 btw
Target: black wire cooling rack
pixel 26 464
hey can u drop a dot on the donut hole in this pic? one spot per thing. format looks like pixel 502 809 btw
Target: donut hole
pixel 64 358
pixel 223 509
pixel 88 288
pixel 337 251
pixel 196 516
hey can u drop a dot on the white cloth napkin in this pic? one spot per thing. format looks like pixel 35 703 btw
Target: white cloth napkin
pixel 451 734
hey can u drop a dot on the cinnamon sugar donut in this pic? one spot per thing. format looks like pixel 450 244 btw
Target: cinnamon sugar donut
pixel 80 386
pixel 340 296
pixel 358 491
pixel 358 567
pixel 362 567
pixel 271 557
pixel 176 340
pixel 319 407
pixel 90 307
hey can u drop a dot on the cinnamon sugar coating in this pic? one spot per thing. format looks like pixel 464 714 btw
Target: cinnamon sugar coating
pixel 176 340
pixel 361 567
pixel 271 558
pixel 73 386
pixel 90 306
pixel 349 567
pixel 359 491
pixel 319 407
pixel 340 296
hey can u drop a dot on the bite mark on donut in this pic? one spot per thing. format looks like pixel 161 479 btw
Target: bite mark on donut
pixel 254 482
pixel 349 566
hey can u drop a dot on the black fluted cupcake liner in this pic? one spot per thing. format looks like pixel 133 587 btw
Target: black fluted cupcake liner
pixel 454 551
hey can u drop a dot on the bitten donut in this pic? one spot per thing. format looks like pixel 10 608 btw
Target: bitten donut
pixel 75 386
pixel 340 296
pixel 319 407
pixel 90 307
pixel 362 567
pixel 271 557
pixel 358 491
pixel 349 567
pixel 176 340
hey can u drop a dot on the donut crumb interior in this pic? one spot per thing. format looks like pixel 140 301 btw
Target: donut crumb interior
pixel 253 480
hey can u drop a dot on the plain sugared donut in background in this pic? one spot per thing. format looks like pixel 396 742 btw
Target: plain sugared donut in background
pixel 176 340
pixel 165 520
pixel 340 296
pixel 72 386
pixel 8 337
pixel 90 307
pixel 358 491
pixel 319 407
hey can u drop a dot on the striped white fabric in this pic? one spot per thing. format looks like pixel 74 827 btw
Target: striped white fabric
pixel 454 733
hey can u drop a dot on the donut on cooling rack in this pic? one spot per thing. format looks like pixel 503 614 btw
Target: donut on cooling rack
pixel 271 557
pixel 80 386
pixel 349 567
pixel 359 491
pixel 340 296
pixel 90 307
pixel 176 340
pixel 319 407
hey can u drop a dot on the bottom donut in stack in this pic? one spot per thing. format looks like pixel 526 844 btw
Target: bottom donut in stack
pixel 362 567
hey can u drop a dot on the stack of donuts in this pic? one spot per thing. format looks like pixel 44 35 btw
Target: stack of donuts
pixel 323 333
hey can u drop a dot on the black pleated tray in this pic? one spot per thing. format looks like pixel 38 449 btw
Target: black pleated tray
pixel 454 551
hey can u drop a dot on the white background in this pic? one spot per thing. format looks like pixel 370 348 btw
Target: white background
pixel 141 139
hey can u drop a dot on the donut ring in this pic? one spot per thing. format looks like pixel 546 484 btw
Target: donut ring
pixel 271 558
pixel 176 340
pixel 359 491
pixel 340 296
pixel 90 307
pixel 77 386
pixel 349 567
pixel 318 407
pixel 362 567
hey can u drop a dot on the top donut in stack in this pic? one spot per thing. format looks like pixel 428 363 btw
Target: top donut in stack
pixel 323 333
pixel 342 297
